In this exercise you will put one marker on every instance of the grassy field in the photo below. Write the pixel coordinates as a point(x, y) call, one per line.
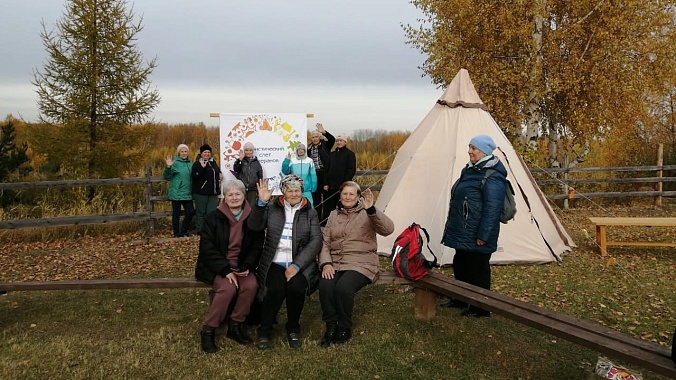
point(153, 334)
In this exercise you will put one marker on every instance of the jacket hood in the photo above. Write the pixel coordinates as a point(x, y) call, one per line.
point(492, 163)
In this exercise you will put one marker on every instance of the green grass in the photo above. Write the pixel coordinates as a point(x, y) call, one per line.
point(153, 334)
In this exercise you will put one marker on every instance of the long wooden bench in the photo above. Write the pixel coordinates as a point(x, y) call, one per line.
point(602, 224)
point(137, 283)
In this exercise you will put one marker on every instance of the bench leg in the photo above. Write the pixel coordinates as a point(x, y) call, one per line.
point(425, 304)
point(601, 239)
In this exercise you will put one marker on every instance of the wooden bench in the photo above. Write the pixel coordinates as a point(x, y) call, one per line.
point(602, 223)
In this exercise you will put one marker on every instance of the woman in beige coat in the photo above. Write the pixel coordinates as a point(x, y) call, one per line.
point(348, 259)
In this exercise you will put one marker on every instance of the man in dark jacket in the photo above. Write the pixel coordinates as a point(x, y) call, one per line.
point(473, 222)
point(342, 167)
point(321, 143)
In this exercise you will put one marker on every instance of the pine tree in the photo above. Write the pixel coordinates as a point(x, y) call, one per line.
point(11, 156)
point(92, 88)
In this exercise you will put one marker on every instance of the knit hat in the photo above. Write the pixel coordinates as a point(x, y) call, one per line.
point(484, 143)
point(342, 136)
point(181, 146)
point(291, 181)
point(205, 147)
point(299, 147)
point(248, 145)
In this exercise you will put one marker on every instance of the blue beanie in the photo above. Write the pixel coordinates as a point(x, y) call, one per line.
point(484, 143)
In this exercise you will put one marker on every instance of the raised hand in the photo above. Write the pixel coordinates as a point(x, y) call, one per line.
point(320, 128)
point(169, 160)
point(368, 198)
point(241, 154)
point(288, 155)
point(264, 193)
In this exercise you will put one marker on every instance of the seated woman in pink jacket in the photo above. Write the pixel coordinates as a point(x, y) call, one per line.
point(348, 259)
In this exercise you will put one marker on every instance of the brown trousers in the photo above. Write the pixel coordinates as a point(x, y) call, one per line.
point(224, 293)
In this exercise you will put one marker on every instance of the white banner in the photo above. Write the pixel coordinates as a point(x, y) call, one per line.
point(273, 136)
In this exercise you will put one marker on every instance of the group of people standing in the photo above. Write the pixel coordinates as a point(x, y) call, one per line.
point(188, 182)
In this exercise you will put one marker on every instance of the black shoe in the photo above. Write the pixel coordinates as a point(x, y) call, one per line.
point(453, 304)
point(237, 332)
point(208, 337)
point(476, 313)
point(263, 342)
point(342, 335)
point(329, 334)
point(294, 340)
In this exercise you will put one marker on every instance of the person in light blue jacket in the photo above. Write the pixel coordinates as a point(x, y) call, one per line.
point(177, 173)
point(304, 168)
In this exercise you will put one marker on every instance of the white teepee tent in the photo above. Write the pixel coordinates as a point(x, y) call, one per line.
point(417, 187)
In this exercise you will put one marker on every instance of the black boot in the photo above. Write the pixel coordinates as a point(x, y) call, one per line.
point(329, 334)
point(342, 335)
point(208, 340)
point(237, 332)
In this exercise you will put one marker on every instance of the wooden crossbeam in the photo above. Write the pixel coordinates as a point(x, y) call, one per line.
point(138, 283)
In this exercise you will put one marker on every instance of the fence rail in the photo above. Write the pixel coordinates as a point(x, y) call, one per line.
point(149, 215)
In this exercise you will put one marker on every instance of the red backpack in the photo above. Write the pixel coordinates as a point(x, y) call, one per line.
point(409, 258)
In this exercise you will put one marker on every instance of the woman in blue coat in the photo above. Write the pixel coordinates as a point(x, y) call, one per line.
point(473, 222)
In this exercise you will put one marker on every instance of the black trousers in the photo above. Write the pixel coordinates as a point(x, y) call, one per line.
point(278, 290)
point(473, 268)
point(318, 198)
point(337, 296)
point(331, 200)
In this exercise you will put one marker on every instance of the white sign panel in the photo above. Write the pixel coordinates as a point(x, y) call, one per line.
point(273, 136)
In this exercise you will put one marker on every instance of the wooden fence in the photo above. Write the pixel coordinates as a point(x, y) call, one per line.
point(149, 215)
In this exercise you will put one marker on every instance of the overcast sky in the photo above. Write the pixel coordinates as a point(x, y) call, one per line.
point(344, 61)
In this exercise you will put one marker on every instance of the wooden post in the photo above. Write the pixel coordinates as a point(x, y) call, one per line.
point(149, 203)
point(425, 304)
point(660, 162)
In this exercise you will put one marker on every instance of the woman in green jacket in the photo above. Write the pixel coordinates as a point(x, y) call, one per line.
point(177, 173)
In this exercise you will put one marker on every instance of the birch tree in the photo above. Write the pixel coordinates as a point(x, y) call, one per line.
point(569, 72)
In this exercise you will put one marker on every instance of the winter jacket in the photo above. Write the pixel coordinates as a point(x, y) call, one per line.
point(342, 167)
point(324, 149)
point(474, 213)
point(350, 239)
point(206, 180)
point(180, 182)
point(249, 171)
point(307, 240)
point(215, 235)
point(305, 169)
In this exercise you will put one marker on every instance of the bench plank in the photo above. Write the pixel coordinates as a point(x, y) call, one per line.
point(141, 283)
point(598, 338)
